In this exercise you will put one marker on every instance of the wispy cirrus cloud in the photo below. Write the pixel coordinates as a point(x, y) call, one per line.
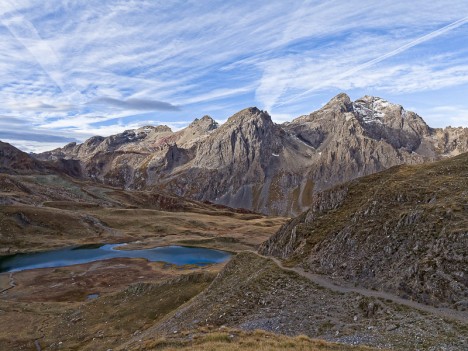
point(135, 104)
point(339, 77)
point(76, 68)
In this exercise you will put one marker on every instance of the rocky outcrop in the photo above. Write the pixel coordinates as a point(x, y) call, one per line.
point(291, 239)
point(240, 165)
point(403, 231)
point(253, 163)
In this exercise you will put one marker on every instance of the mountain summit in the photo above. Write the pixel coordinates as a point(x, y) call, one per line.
point(253, 163)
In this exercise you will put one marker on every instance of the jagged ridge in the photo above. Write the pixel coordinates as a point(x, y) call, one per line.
point(253, 163)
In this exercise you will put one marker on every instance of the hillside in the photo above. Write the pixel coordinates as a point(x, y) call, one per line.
point(38, 212)
point(253, 163)
point(41, 207)
point(402, 231)
point(253, 292)
point(14, 160)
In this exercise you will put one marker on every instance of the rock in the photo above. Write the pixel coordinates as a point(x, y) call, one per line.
point(392, 327)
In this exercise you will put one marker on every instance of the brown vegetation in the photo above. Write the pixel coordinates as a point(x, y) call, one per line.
point(46, 211)
point(225, 339)
point(403, 231)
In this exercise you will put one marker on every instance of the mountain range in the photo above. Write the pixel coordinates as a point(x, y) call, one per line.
point(374, 254)
point(253, 163)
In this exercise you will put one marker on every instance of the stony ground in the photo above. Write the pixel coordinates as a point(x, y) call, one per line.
point(254, 293)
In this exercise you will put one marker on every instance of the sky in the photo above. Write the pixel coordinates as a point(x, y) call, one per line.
point(73, 69)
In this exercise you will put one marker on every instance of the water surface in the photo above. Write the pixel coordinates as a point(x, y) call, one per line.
point(178, 255)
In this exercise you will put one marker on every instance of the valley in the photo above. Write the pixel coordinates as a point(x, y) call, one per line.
point(233, 175)
point(375, 262)
point(44, 209)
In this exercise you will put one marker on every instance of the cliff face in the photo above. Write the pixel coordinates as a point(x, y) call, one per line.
point(253, 163)
point(403, 230)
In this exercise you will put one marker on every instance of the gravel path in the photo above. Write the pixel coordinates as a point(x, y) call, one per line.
point(331, 285)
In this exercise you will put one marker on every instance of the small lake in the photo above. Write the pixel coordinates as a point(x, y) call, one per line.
point(178, 255)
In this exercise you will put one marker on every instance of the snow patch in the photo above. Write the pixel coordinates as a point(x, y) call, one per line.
point(276, 155)
point(381, 103)
point(367, 114)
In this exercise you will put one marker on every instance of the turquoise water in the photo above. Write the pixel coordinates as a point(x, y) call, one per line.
point(178, 255)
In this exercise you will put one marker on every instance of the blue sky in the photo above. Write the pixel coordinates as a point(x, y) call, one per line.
point(73, 69)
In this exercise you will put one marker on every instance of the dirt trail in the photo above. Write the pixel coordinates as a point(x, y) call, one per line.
point(327, 283)
point(11, 282)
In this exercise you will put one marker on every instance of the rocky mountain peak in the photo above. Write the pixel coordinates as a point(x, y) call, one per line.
point(244, 137)
point(93, 141)
point(248, 115)
point(206, 123)
point(372, 109)
point(158, 129)
point(253, 163)
point(340, 102)
point(385, 120)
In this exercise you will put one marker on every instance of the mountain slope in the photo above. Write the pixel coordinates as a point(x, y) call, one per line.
point(403, 231)
point(253, 163)
point(41, 207)
point(13, 160)
point(253, 292)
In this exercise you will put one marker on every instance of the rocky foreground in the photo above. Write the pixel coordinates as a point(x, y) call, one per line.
point(253, 292)
point(403, 231)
